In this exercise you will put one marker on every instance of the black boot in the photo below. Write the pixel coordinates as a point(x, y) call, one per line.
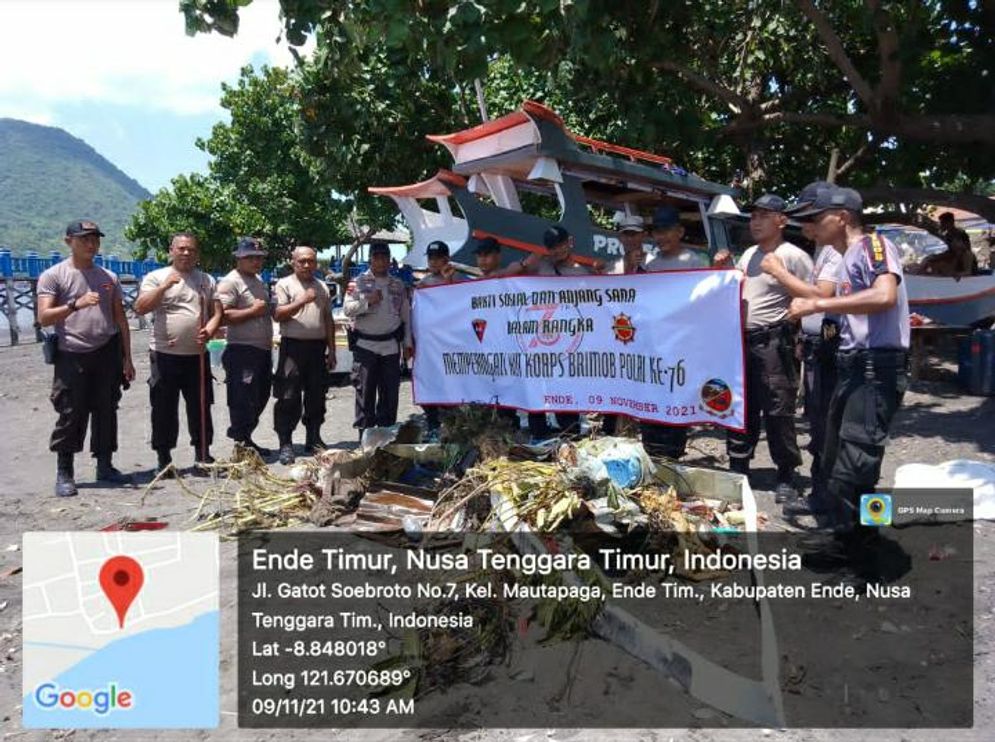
point(287, 453)
point(65, 486)
point(107, 473)
point(201, 458)
point(313, 443)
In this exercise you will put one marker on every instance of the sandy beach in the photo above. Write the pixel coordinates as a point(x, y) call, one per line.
point(937, 423)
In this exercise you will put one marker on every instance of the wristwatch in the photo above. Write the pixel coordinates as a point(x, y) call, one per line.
point(72, 306)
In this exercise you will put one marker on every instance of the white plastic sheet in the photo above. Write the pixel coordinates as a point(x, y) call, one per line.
point(978, 475)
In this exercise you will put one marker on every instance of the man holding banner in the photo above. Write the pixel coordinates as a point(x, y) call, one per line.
point(440, 272)
point(771, 377)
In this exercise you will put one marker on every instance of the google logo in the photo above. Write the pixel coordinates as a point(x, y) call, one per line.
point(49, 696)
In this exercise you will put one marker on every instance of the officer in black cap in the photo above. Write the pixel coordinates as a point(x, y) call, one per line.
point(820, 340)
point(772, 268)
point(84, 303)
point(248, 356)
point(488, 252)
point(440, 272)
point(378, 305)
point(872, 359)
point(559, 262)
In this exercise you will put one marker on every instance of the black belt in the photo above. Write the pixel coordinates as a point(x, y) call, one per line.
point(764, 334)
point(878, 357)
point(396, 334)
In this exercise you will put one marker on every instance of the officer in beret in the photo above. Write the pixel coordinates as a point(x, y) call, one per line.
point(377, 303)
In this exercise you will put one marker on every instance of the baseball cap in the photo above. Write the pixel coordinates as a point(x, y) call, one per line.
point(665, 217)
point(81, 227)
point(554, 236)
point(379, 248)
point(249, 247)
point(631, 224)
point(437, 249)
point(807, 195)
point(832, 198)
point(769, 202)
point(487, 245)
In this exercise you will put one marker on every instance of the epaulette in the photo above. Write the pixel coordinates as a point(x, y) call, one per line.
point(876, 254)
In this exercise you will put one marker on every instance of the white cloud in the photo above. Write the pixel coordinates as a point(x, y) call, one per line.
point(128, 52)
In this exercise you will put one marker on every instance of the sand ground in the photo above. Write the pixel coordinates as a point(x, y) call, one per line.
point(937, 423)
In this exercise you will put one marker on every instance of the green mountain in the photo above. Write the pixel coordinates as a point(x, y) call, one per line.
point(48, 178)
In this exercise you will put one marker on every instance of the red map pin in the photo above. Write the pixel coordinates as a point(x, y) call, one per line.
point(121, 578)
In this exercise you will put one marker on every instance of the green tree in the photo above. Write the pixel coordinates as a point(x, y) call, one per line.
point(894, 93)
point(260, 181)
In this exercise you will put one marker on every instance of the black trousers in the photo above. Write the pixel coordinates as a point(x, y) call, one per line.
point(664, 440)
point(771, 390)
point(248, 379)
point(377, 380)
point(819, 356)
point(170, 376)
point(86, 387)
point(299, 386)
point(868, 394)
point(568, 422)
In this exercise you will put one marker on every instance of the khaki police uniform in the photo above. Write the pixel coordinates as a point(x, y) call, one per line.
point(248, 356)
point(299, 383)
point(378, 333)
point(175, 358)
point(771, 374)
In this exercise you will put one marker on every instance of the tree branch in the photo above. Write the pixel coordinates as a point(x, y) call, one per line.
point(949, 129)
point(736, 102)
point(855, 158)
point(980, 205)
point(836, 51)
point(891, 63)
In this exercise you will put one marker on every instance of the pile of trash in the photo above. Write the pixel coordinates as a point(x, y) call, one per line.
point(397, 482)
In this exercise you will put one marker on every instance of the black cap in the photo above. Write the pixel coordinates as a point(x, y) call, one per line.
point(81, 227)
point(437, 249)
point(833, 198)
point(379, 248)
point(487, 245)
point(555, 235)
point(807, 195)
point(249, 247)
point(665, 217)
point(770, 202)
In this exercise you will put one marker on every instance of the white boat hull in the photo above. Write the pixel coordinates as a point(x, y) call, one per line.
point(952, 301)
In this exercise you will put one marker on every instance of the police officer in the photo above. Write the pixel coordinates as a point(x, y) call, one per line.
point(378, 305)
point(440, 272)
point(667, 232)
point(307, 349)
point(248, 357)
point(186, 313)
point(559, 262)
point(873, 354)
point(820, 340)
point(83, 301)
point(772, 268)
point(488, 254)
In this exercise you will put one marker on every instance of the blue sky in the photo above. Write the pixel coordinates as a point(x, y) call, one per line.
point(123, 76)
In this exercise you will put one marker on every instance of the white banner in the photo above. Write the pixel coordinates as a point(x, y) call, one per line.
point(661, 347)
